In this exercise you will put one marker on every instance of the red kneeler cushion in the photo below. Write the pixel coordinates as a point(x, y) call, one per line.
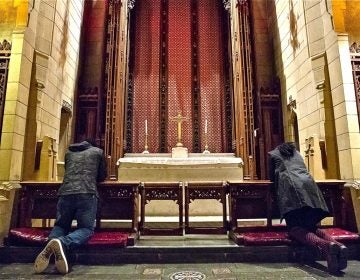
point(29, 236)
point(268, 238)
point(118, 239)
point(265, 238)
point(279, 236)
point(39, 237)
point(343, 235)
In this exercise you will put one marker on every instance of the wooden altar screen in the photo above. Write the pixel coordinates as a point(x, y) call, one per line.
point(177, 64)
point(174, 50)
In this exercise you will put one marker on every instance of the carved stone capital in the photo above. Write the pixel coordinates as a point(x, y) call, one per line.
point(39, 84)
point(9, 186)
point(292, 103)
point(5, 45)
point(66, 106)
point(131, 4)
point(356, 185)
point(355, 48)
point(6, 188)
point(227, 5)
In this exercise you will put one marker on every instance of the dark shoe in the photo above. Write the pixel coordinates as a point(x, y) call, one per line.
point(42, 260)
point(60, 258)
point(342, 257)
point(332, 258)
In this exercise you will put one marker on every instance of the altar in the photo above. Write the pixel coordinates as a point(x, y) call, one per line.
point(167, 168)
point(162, 167)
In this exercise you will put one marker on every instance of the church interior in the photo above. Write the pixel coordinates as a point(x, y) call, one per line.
point(186, 98)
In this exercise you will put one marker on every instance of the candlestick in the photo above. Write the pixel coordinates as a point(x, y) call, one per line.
point(146, 140)
point(206, 151)
point(146, 151)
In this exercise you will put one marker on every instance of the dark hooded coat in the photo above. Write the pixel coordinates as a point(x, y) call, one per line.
point(84, 167)
point(294, 187)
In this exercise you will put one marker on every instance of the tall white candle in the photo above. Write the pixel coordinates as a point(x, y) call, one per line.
point(146, 132)
point(205, 126)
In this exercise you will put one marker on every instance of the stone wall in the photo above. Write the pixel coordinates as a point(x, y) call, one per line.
point(43, 73)
point(313, 63)
point(311, 41)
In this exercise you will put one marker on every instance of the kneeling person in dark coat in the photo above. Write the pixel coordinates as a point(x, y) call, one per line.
point(302, 204)
point(78, 196)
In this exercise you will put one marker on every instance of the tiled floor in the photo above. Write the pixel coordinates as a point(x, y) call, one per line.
point(203, 247)
point(210, 271)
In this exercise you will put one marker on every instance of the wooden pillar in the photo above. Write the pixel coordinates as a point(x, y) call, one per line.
point(116, 81)
point(121, 78)
point(239, 124)
point(243, 83)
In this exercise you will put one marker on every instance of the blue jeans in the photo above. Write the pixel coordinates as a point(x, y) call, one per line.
point(82, 208)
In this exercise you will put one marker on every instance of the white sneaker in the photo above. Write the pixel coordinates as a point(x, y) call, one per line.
point(60, 258)
point(42, 260)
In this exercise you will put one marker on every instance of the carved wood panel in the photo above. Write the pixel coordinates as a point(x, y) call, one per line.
point(88, 113)
point(163, 75)
point(270, 132)
point(5, 50)
point(355, 63)
point(112, 148)
point(247, 141)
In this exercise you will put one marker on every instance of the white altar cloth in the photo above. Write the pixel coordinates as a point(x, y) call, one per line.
point(193, 159)
point(164, 168)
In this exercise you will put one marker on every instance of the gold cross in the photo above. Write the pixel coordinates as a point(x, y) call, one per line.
point(179, 118)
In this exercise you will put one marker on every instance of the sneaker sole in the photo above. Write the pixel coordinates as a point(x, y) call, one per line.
point(41, 261)
point(61, 265)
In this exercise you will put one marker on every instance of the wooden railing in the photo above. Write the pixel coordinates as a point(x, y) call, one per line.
point(253, 200)
point(117, 201)
point(121, 201)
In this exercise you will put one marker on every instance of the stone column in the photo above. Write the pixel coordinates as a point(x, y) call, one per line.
point(345, 112)
point(7, 205)
point(346, 119)
point(355, 196)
